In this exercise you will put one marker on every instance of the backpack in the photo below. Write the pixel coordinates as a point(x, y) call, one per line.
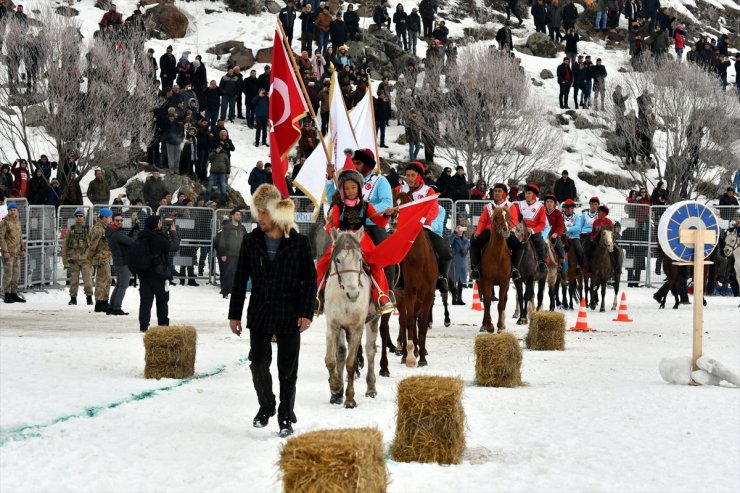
point(140, 256)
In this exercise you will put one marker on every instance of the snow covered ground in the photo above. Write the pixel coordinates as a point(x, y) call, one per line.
point(77, 415)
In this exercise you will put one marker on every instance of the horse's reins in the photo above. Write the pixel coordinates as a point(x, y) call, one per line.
point(339, 273)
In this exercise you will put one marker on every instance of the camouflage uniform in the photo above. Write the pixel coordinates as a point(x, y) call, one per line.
point(98, 252)
point(74, 251)
point(11, 241)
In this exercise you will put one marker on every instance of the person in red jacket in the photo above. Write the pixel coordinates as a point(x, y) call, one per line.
point(21, 178)
point(414, 184)
point(600, 223)
point(348, 213)
point(532, 212)
point(483, 234)
point(557, 228)
point(111, 18)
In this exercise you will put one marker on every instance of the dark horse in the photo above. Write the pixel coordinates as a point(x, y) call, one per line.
point(600, 268)
point(529, 275)
point(676, 280)
point(419, 273)
point(573, 283)
point(496, 269)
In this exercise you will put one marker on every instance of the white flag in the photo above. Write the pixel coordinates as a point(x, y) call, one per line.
point(341, 135)
point(363, 122)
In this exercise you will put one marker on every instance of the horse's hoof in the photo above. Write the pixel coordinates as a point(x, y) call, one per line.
point(385, 373)
point(521, 321)
point(336, 399)
point(447, 322)
point(502, 329)
point(410, 363)
point(602, 309)
point(350, 404)
point(422, 363)
point(371, 395)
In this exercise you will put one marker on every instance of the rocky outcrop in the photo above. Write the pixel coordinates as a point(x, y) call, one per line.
point(166, 21)
point(546, 74)
point(264, 55)
point(238, 53)
point(542, 46)
point(67, 11)
point(384, 53)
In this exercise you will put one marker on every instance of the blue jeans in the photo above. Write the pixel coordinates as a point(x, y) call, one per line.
point(212, 117)
point(600, 21)
point(218, 179)
point(413, 150)
point(323, 40)
point(122, 279)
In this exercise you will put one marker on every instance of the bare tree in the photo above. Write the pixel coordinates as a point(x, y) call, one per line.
point(485, 118)
point(678, 123)
point(91, 97)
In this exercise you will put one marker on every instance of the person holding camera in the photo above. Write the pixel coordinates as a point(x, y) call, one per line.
point(153, 281)
point(119, 242)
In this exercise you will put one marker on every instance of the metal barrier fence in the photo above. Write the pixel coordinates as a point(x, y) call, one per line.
point(44, 228)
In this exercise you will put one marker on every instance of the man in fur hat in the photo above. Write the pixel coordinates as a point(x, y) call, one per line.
point(278, 261)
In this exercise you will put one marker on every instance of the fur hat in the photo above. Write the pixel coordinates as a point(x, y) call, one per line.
point(265, 197)
point(502, 187)
point(532, 188)
point(416, 166)
point(282, 214)
point(366, 156)
point(352, 175)
point(604, 209)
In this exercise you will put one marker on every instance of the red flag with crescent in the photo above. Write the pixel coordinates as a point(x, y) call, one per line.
point(287, 108)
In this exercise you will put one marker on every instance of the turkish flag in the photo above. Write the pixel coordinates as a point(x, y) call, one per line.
point(287, 108)
point(411, 218)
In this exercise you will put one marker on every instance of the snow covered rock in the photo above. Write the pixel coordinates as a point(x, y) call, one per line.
point(546, 74)
point(710, 372)
point(676, 370)
point(168, 20)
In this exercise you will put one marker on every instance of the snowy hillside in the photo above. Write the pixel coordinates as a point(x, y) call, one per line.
point(211, 23)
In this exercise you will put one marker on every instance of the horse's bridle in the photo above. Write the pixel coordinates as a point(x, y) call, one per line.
point(339, 273)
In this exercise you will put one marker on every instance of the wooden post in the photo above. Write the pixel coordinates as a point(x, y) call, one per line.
point(698, 238)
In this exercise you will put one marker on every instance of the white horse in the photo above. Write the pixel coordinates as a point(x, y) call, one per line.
point(348, 310)
point(732, 247)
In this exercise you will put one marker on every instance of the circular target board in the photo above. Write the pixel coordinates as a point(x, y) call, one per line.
point(685, 215)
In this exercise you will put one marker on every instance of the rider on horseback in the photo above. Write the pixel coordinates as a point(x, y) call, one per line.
point(348, 213)
point(573, 227)
point(483, 234)
point(589, 216)
point(532, 212)
point(600, 223)
point(415, 186)
point(557, 228)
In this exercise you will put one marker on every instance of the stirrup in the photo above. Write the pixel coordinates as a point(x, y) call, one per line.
point(386, 307)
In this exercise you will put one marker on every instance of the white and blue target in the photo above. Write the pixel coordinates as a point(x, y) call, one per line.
point(685, 215)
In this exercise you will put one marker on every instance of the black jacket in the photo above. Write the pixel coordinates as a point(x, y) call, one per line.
point(212, 99)
point(160, 247)
point(565, 190)
point(503, 36)
point(352, 20)
point(250, 88)
point(282, 289)
point(168, 66)
point(413, 23)
point(119, 241)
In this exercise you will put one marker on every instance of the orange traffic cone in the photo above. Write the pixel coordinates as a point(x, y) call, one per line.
point(622, 315)
point(582, 322)
point(477, 305)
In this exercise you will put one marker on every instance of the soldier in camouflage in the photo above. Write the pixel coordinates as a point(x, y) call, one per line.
point(74, 257)
point(99, 254)
point(11, 247)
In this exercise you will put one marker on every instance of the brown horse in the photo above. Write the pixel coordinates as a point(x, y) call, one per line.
point(496, 269)
point(573, 286)
point(419, 272)
point(676, 280)
point(600, 268)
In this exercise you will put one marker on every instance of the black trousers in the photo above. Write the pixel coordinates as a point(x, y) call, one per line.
point(289, 346)
point(228, 271)
point(564, 91)
point(443, 251)
point(557, 244)
point(149, 289)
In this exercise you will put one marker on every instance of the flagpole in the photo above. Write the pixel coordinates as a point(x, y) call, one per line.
point(375, 128)
point(303, 87)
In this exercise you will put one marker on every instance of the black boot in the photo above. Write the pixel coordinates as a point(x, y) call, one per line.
point(475, 255)
point(17, 298)
point(72, 300)
point(100, 306)
point(89, 300)
point(263, 417)
point(460, 288)
point(541, 248)
point(192, 282)
point(286, 428)
point(516, 259)
point(9, 298)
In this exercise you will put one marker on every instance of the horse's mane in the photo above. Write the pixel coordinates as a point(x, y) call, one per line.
point(345, 241)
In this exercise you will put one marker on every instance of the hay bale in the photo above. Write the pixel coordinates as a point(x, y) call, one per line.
point(546, 332)
point(170, 352)
point(498, 360)
point(430, 420)
point(342, 460)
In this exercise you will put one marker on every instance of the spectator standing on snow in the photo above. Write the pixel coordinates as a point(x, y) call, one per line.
point(257, 177)
point(228, 250)
point(554, 20)
point(167, 68)
point(539, 16)
point(261, 105)
point(565, 188)
point(229, 86)
point(12, 250)
point(119, 242)
point(565, 80)
point(98, 191)
point(598, 72)
point(287, 19)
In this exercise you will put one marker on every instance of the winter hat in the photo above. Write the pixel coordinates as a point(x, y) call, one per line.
point(569, 203)
point(106, 212)
point(550, 196)
point(502, 187)
point(349, 175)
point(532, 188)
point(80, 212)
point(604, 209)
point(365, 156)
point(282, 214)
point(265, 197)
point(184, 56)
point(151, 222)
point(416, 166)
point(594, 199)
point(12, 205)
point(211, 204)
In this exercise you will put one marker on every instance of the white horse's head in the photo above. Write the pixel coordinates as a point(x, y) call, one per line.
point(347, 262)
point(731, 242)
point(607, 239)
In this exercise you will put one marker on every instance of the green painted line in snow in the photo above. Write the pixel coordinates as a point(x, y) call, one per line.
point(26, 431)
